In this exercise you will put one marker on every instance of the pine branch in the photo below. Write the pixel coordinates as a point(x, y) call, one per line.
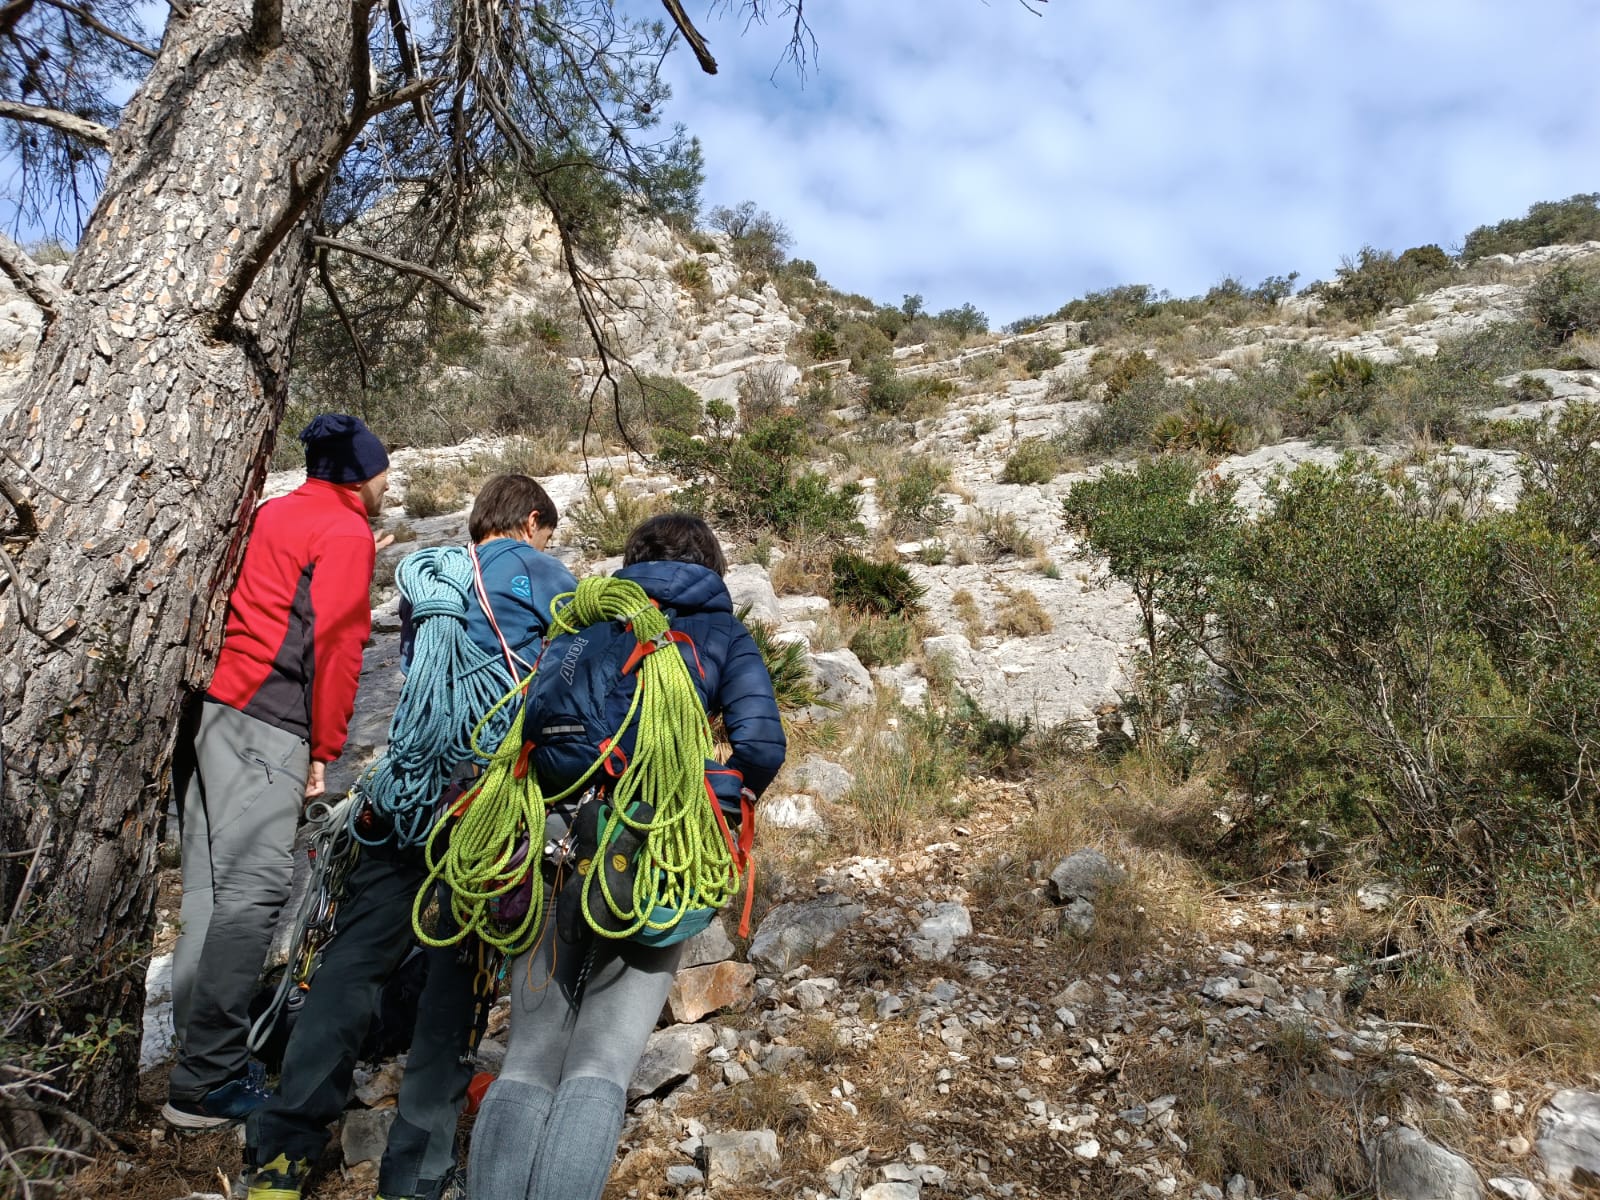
point(89, 19)
point(79, 127)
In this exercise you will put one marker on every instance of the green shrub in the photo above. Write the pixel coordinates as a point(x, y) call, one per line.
point(1548, 223)
point(1034, 461)
point(653, 406)
point(882, 641)
point(1345, 387)
point(915, 496)
point(693, 276)
point(758, 482)
point(1565, 301)
point(757, 240)
point(1166, 531)
point(822, 345)
point(964, 322)
point(992, 744)
point(862, 343)
point(1197, 429)
point(886, 391)
point(788, 665)
point(1041, 359)
point(1415, 675)
point(1127, 418)
point(1122, 372)
point(871, 588)
point(889, 393)
point(1561, 473)
point(1376, 280)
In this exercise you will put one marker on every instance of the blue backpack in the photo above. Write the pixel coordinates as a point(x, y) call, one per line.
point(577, 735)
point(578, 702)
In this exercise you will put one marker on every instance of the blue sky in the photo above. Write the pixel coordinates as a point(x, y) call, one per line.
point(974, 151)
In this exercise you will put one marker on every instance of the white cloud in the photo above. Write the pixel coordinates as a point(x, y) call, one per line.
point(974, 151)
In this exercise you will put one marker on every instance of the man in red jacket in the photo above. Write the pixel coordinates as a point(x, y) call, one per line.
point(274, 717)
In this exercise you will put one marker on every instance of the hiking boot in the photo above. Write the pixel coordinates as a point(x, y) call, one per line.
point(281, 1179)
point(226, 1105)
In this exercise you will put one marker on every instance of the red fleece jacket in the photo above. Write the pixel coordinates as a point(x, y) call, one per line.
point(300, 615)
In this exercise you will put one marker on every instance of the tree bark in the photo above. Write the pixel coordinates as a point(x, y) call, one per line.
point(146, 427)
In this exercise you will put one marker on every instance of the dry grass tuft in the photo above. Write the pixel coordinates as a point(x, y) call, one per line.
point(1021, 614)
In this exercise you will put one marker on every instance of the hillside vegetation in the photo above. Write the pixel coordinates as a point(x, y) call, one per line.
point(1194, 701)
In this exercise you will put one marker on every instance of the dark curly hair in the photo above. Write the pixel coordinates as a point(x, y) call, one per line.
point(675, 537)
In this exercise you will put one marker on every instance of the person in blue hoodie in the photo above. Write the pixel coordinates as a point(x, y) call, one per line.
point(511, 523)
point(548, 1126)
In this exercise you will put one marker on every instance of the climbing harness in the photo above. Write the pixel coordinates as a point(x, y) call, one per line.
point(452, 682)
point(671, 856)
point(331, 852)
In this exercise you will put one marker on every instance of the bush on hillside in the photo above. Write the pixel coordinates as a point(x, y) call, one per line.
point(759, 482)
point(1344, 387)
point(1561, 473)
point(1121, 372)
point(1413, 674)
point(914, 496)
point(1565, 301)
point(1547, 223)
point(788, 665)
point(602, 521)
point(965, 321)
point(758, 241)
point(1165, 530)
point(1034, 461)
point(1040, 359)
point(890, 394)
point(1197, 430)
point(1378, 280)
point(868, 588)
point(1127, 418)
point(882, 641)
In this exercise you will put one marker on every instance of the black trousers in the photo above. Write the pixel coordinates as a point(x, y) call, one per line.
point(374, 936)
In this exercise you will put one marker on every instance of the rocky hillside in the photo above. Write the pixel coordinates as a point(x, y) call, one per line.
point(987, 964)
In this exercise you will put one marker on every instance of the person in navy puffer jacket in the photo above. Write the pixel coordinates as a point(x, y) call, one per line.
point(548, 1126)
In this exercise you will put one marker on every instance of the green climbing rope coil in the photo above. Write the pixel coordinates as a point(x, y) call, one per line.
point(686, 861)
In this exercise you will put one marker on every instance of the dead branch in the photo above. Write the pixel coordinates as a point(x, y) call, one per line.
point(697, 43)
point(29, 277)
point(326, 279)
point(84, 130)
point(403, 266)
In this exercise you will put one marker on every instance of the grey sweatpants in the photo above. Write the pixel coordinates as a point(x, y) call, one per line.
point(549, 1124)
point(240, 809)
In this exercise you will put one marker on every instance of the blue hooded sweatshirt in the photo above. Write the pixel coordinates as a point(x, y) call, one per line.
point(521, 582)
point(736, 684)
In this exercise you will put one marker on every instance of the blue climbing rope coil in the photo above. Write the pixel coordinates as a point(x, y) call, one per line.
point(452, 682)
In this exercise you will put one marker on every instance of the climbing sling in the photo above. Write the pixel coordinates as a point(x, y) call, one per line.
point(669, 858)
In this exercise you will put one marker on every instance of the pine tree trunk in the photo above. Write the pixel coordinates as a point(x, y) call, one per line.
point(149, 417)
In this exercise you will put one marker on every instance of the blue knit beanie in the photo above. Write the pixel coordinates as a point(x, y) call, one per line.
point(340, 449)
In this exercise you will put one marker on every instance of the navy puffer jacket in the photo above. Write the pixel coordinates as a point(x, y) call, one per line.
point(736, 682)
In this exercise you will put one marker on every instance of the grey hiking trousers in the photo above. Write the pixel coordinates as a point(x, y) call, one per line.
point(240, 808)
point(580, 1018)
